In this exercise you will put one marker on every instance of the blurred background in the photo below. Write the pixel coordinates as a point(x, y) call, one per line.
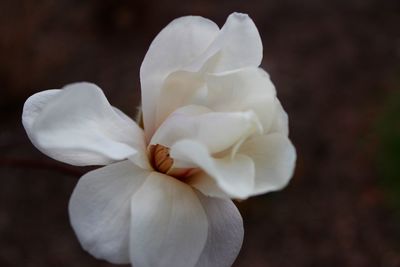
point(337, 71)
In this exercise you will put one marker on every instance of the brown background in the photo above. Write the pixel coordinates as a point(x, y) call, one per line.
point(336, 68)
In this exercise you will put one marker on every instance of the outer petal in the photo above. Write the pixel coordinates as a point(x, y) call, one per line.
point(207, 184)
point(99, 209)
point(234, 176)
point(280, 123)
point(194, 44)
point(225, 232)
point(181, 88)
point(176, 46)
point(274, 157)
point(78, 126)
point(237, 45)
point(216, 130)
point(169, 226)
point(243, 89)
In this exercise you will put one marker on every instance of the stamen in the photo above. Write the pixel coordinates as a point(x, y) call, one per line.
point(161, 160)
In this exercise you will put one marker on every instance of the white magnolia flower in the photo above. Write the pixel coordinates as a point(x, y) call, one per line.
point(214, 130)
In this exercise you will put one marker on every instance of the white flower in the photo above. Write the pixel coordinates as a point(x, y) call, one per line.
point(213, 130)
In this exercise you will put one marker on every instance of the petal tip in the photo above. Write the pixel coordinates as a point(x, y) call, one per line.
point(239, 15)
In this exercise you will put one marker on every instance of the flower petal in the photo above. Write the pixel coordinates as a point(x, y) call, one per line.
point(241, 90)
point(237, 45)
point(181, 88)
point(195, 44)
point(206, 184)
point(99, 209)
point(169, 226)
point(234, 176)
point(78, 126)
point(177, 45)
point(280, 123)
point(274, 157)
point(216, 130)
point(225, 232)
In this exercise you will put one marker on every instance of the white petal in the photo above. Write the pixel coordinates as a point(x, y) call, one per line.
point(225, 232)
point(280, 123)
point(99, 209)
point(234, 176)
point(206, 184)
point(177, 45)
point(243, 89)
point(216, 130)
point(34, 106)
point(274, 157)
point(169, 226)
point(181, 88)
point(78, 126)
point(193, 44)
point(237, 45)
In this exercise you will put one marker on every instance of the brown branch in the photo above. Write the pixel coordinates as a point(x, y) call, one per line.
point(40, 165)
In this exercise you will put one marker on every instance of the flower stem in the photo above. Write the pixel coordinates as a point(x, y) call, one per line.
point(40, 165)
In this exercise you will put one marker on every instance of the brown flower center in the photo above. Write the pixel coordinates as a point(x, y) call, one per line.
point(162, 162)
point(160, 158)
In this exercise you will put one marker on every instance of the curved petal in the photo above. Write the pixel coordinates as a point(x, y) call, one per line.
point(234, 176)
point(169, 226)
point(241, 90)
point(180, 89)
point(194, 44)
point(78, 126)
point(216, 130)
point(237, 45)
point(99, 209)
point(34, 106)
point(225, 232)
point(206, 184)
point(274, 157)
point(280, 124)
point(176, 46)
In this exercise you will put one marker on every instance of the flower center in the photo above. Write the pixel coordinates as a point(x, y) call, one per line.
point(162, 162)
point(160, 158)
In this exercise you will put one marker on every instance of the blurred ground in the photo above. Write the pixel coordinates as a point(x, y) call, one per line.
point(336, 68)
